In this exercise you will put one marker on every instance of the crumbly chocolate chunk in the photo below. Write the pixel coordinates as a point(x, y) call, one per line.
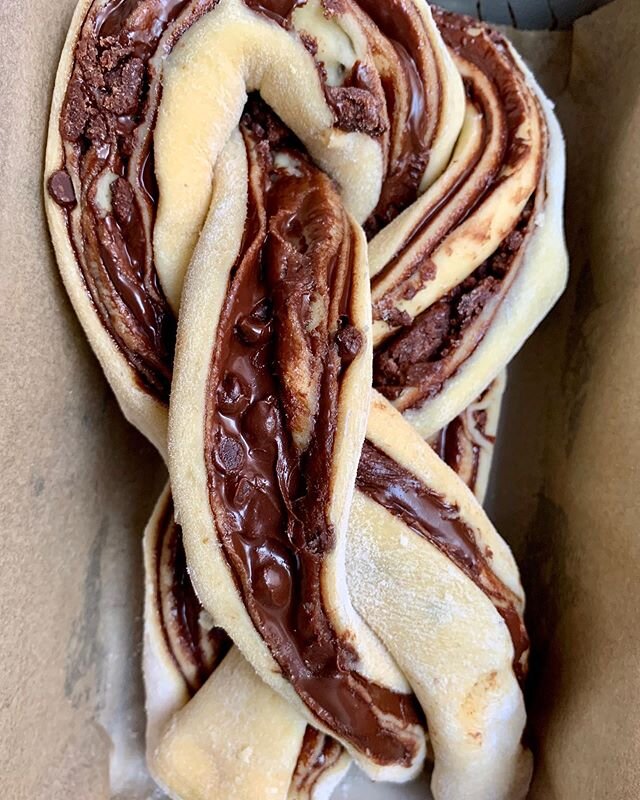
point(310, 43)
point(266, 126)
point(349, 341)
point(75, 115)
point(114, 55)
point(122, 200)
point(331, 8)
point(124, 84)
point(405, 360)
point(472, 303)
point(358, 103)
point(417, 357)
point(389, 313)
point(356, 110)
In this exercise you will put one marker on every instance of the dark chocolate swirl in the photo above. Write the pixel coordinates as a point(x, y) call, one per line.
point(269, 447)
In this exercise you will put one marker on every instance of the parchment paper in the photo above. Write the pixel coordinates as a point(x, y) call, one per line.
point(77, 484)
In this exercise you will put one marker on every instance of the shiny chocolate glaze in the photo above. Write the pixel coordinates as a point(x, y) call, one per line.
point(270, 494)
point(196, 646)
point(433, 517)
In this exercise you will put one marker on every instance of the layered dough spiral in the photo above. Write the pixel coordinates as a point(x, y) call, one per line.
point(226, 161)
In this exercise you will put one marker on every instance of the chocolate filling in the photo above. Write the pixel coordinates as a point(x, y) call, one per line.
point(357, 102)
point(422, 355)
point(106, 126)
point(275, 529)
point(317, 755)
point(197, 646)
point(453, 446)
point(419, 355)
point(269, 474)
point(199, 649)
point(403, 29)
point(422, 268)
point(279, 11)
point(431, 516)
point(458, 448)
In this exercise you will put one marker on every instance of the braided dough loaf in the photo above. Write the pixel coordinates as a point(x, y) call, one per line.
point(171, 186)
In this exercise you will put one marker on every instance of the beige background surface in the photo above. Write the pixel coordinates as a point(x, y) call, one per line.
point(77, 483)
point(577, 533)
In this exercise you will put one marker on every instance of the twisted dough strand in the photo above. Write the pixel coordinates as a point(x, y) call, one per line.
point(467, 258)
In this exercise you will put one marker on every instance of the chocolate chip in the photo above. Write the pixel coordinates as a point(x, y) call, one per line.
point(61, 189)
point(261, 514)
point(243, 492)
point(272, 579)
point(254, 328)
point(231, 395)
point(260, 422)
point(229, 454)
point(350, 342)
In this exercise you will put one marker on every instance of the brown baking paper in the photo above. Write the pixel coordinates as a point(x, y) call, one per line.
point(78, 484)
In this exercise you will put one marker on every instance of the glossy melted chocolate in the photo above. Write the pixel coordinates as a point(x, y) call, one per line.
point(273, 514)
point(270, 493)
point(401, 25)
point(431, 516)
point(198, 649)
